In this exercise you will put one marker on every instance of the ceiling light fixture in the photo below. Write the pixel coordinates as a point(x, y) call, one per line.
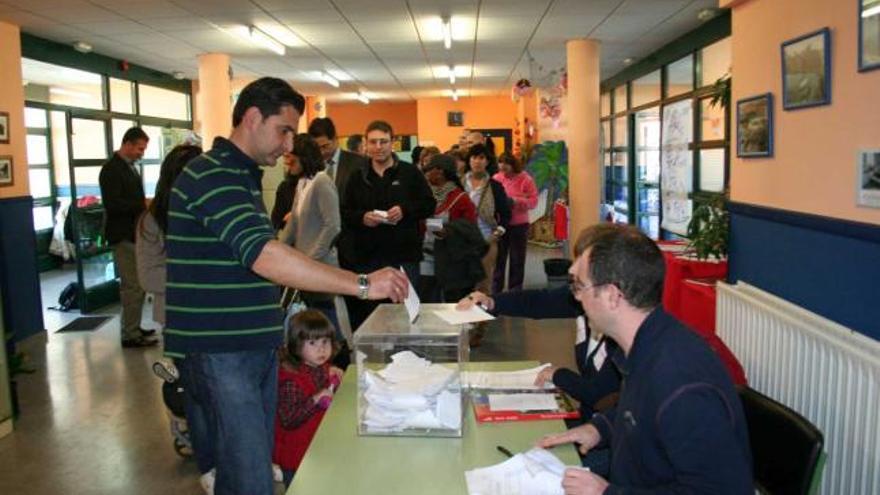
point(363, 98)
point(447, 33)
point(451, 75)
point(178, 75)
point(871, 11)
point(454, 95)
point(82, 47)
point(628, 61)
point(705, 14)
point(263, 40)
point(332, 81)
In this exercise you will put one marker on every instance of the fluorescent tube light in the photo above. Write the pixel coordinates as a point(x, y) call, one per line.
point(363, 98)
point(870, 12)
point(332, 81)
point(451, 75)
point(454, 95)
point(447, 33)
point(263, 40)
point(82, 47)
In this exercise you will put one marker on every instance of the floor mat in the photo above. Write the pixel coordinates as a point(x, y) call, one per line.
point(84, 324)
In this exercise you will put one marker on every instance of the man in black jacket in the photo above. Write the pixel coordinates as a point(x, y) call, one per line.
point(383, 205)
point(340, 164)
point(122, 193)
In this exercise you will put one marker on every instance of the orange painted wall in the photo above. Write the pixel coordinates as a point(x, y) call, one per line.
point(353, 118)
point(12, 102)
point(813, 169)
point(485, 112)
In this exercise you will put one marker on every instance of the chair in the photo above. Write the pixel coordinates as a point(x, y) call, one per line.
point(787, 453)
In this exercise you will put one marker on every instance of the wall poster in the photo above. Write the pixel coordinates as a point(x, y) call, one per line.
point(676, 165)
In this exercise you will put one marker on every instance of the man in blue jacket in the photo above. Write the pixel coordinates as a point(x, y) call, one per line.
point(678, 426)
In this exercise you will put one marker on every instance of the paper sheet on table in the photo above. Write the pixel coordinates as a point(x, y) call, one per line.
point(536, 472)
point(411, 302)
point(457, 317)
point(504, 380)
point(522, 402)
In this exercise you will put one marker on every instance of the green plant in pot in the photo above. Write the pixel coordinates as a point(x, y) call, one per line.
point(709, 228)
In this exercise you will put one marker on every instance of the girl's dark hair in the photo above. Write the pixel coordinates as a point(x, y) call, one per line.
point(310, 324)
point(308, 153)
point(173, 164)
point(481, 149)
point(511, 160)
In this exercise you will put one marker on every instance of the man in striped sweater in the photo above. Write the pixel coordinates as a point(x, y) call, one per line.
point(223, 316)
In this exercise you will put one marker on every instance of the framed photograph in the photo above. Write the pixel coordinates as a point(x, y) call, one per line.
point(4, 128)
point(806, 70)
point(868, 176)
point(869, 34)
point(455, 119)
point(754, 126)
point(6, 171)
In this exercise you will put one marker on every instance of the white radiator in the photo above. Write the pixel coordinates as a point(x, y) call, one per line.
point(826, 372)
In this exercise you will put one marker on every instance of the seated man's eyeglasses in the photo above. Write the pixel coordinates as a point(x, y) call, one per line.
point(576, 286)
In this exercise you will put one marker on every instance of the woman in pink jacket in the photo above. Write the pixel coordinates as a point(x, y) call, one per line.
point(520, 188)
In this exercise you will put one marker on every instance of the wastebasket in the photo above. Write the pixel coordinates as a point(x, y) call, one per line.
point(557, 271)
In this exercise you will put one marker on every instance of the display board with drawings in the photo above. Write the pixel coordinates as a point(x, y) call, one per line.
point(676, 166)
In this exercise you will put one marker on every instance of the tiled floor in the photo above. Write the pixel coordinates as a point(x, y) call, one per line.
point(93, 421)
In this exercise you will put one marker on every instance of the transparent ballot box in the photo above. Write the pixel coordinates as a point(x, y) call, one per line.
point(409, 374)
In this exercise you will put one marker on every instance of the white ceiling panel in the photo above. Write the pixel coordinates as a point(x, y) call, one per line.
point(114, 27)
point(295, 17)
point(143, 10)
point(398, 30)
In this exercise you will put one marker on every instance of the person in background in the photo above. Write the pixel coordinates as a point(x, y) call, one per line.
point(461, 163)
point(520, 188)
point(339, 164)
point(425, 157)
point(416, 155)
point(383, 206)
point(285, 192)
point(306, 384)
point(452, 204)
point(678, 426)
point(314, 217)
point(355, 144)
point(122, 192)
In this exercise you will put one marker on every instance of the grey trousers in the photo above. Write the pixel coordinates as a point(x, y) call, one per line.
point(130, 293)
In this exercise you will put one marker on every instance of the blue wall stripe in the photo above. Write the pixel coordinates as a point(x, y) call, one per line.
point(19, 275)
point(828, 266)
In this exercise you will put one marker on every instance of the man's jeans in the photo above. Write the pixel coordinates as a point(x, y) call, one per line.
point(240, 391)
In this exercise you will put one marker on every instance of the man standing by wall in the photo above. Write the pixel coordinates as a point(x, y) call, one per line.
point(224, 322)
point(678, 425)
point(122, 193)
point(340, 163)
point(383, 205)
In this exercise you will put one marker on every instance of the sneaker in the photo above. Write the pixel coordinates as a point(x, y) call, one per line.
point(147, 332)
point(166, 371)
point(139, 342)
point(207, 482)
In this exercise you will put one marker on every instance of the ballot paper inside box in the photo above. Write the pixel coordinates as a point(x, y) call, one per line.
point(409, 374)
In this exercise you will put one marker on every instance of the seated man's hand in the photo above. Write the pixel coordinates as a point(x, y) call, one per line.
point(476, 298)
point(545, 375)
point(388, 283)
point(583, 482)
point(395, 214)
point(372, 219)
point(586, 436)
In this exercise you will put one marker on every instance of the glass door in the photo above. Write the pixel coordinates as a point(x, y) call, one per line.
point(647, 170)
point(88, 147)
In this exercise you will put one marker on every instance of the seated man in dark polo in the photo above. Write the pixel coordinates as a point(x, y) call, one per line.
point(678, 426)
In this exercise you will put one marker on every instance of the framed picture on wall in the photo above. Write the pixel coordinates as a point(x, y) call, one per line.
point(455, 119)
point(806, 70)
point(4, 128)
point(868, 176)
point(754, 126)
point(869, 34)
point(6, 175)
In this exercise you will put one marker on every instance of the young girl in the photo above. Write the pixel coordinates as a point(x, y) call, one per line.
point(306, 382)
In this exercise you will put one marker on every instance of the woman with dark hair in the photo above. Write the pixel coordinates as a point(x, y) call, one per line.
point(152, 226)
point(285, 191)
point(425, 157)
point(520, 188)
point(314, 217)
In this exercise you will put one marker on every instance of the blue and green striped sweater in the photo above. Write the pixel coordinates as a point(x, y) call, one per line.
point(217, 227)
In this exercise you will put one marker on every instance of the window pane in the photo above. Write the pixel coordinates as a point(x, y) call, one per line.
point(650, 225)
point(121, 96)
point(89, 139)
point(680, 76)
point(43, 218)
point(119, 128)
point(620, 169)
point(158, 102)
point(713, 123)
point(59, 148)
point(620, 134)
point(50, 83)
point(87, 180)
point(605, 103)
point(40, 185)
point(153, 153)
point(620, 103)
point(620, 198)
point(621, 217)
point(648, 145)
point(35, 118)
point(606, 134)
point(37, 150)
point(646, 89)
point(151, 178)
point(715, 60)
point(712, 170)
point(649, 200)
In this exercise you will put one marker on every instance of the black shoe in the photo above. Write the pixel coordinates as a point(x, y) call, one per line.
point(139, 342)
point(147, 332)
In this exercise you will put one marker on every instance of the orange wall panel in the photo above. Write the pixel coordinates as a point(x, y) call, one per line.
point(353, 118)
point(813, 169)
point(485, 112)
point(12, 103)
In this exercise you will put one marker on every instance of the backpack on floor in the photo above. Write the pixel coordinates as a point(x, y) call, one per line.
point(68, 299)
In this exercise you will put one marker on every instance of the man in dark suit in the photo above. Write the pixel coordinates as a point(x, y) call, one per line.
point(340, 163)
point(122, 192)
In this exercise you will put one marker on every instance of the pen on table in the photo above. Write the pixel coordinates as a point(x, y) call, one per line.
point(504, 451)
